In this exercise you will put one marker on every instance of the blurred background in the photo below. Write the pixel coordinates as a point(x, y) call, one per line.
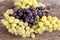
point(55, 11)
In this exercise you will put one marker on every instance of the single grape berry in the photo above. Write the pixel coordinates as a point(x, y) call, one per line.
point(40, 8)
point(15, 10)
point(32, 8)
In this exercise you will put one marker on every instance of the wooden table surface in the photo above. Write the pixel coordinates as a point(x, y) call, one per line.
point(55, 11)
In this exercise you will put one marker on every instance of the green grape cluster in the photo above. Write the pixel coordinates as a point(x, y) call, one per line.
point(24, 4)
point(47, 24)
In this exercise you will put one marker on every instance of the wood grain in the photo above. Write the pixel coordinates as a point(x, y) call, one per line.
point(55, 11)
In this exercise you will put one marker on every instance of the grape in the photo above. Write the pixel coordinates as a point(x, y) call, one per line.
point(41, 4)
point(34, 22)
point(11, 19)
point(20, 23)
point(20, 14)
point(16, 21)
point(17, 17)
point(31, 20)
point(15, 10)
point(40, 8)
point(13, 25)
point(30, 24)
point(24, 35)
point(4, 21)
point(27, 19)
point(33, 35)
point(31, 30)
point(27, 28)
point(40, 23)
point(25, 24)
point(32, 8)
point(49, 18)
point(14, 14)
point(40, 14)
point(48, 7)
point(28, 33)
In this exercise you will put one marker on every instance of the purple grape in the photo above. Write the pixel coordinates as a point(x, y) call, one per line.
point(14, 14)
point(20, 14)
point(30, 24)
point(28, 11)
point(34, 13)
point(17, 17)
point(32, 8)
point(15, 10)
point(27, 19)
point(40, 8)
point(48, 7)
point(34, 22)
point(30, 14)
point(40, 14)
point(31, 20)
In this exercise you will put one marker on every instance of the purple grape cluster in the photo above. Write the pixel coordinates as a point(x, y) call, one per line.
point(29, 15)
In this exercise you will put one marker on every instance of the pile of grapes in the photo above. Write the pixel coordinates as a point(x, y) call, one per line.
point(28, 18)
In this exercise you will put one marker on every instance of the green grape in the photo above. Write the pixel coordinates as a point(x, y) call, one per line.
point(17, 4)
point(37, 17)
point(40, 23)
point(22, 27)
point(38, 30)
point(8, 26)
point(40, 4)
point(27, 28)
point(27, 7)
point(23, 6)
point(19, 31)
point(30, 3)
point(55, 26)
point(21, 23)
point(11, 30)
point(4, 21)
point(6, 15)
point(42, 28)
point(43, 19)
point(11, 19)
point(17, 26)
point(23, 31)
point(50, 26)
point(13, 24)
point(34, 26)
point(16, 21)
point(15, 31)
point(10, 11)
point(31, 30)
point(49, 18)
point(58, 27)
point(24, 35)
point(33, 35)
point(53, 22)
point(54, 18)
point(58, 22)
point(28, 33)
point(46, 28)
point(50, 30)
point(46, 22)
point(25, 24)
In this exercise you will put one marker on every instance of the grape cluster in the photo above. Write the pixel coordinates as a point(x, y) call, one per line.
point(25, 4)
point(47, 24)
point(29, 15)
point(28, 18)
point(19, 27)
